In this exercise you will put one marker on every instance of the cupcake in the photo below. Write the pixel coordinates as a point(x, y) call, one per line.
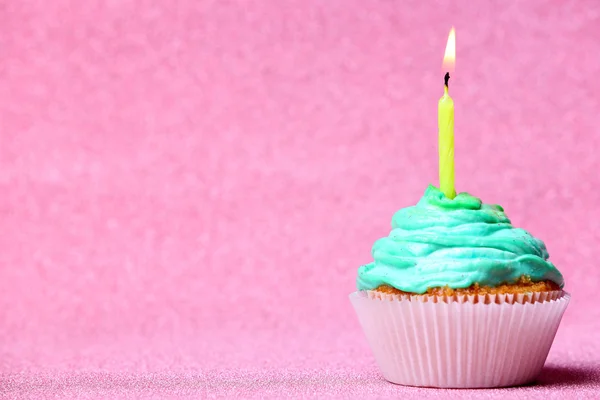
point(457, 297)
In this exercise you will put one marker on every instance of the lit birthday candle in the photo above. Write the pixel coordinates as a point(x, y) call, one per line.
point(446, 123)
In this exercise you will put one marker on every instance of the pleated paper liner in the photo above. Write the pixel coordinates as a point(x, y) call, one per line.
point(486, 299)
point(460, 341)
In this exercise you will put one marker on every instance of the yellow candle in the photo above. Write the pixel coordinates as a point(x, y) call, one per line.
point(446, 125)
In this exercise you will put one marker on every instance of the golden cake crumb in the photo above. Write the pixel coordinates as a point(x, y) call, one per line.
point(523, 285)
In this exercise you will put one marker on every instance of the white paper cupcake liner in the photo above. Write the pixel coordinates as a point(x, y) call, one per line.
point(460, 341)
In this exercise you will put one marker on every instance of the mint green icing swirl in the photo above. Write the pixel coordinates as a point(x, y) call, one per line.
point(455, 243)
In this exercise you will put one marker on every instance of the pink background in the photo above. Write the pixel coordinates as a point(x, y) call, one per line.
point(188, 187)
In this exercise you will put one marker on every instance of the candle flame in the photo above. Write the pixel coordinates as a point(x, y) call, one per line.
point(450, 54)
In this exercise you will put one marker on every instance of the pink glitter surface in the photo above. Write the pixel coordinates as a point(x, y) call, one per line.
point(188, 187)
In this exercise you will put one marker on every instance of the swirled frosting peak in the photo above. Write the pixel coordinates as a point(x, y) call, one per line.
point(455, 243)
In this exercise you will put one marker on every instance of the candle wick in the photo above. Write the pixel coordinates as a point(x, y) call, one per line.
point(446, 78)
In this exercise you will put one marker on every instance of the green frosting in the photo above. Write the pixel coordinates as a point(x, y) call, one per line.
point(456, 243)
